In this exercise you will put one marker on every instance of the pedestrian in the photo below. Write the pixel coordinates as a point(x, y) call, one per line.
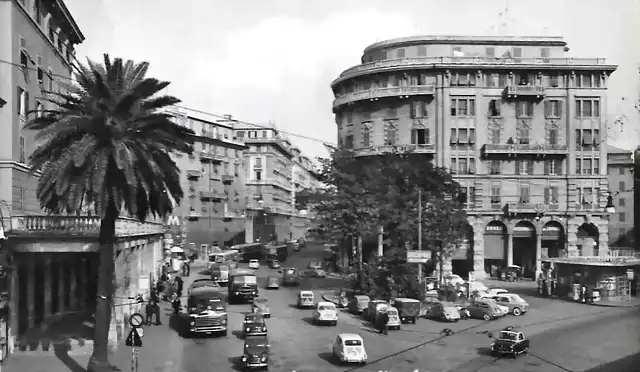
point(175, 302)
point(179, 286)
point(156, 310)
point(148, 312)
point(186, 268)
point(383, 319)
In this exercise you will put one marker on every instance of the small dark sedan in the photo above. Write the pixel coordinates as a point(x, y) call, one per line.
point(510, 343)
point(254, 325)
point(256, 353)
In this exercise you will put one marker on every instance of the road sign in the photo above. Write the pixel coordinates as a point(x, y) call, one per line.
point(418, 256)
point(136, 320)
point(134, 339)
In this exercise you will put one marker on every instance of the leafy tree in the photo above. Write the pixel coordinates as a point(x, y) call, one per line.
point(365, 193)
point(107, 144)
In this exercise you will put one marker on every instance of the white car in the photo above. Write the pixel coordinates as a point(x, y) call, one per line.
point(254, 264)
point(493, 292)
point(454, 280)
point(349, 348)
point(325, 313)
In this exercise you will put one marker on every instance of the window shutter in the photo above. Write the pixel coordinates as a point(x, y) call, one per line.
point(413, 109)
point(454, 136)
point(554, 194)
point(547, 108)
point(578, 137)
point(559, 113)
point(547, 194)
point(530, 167)
point(472, 136)
point(414, 140)
point(518, 109)
point(547, 167)
point(517, 166)
point(558, 166)
point(472, 79)
point(427, 138)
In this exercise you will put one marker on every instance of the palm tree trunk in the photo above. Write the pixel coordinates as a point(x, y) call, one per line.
point(99, 361)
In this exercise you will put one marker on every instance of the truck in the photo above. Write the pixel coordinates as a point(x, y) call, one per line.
point(207, 310)
point(243, 286)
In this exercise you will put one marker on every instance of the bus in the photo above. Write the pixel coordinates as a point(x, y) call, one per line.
point(229, 257)
point(250, 251)
point(277, 252)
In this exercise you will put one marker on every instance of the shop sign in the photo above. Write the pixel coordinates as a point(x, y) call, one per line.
point(495, 229)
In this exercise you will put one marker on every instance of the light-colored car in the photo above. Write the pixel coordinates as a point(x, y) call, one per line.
point(516, 304)
point(254, 264)
point(394, 318)
point(260, 305)
point(453, 279)
point(325, 313)
point(274, 264)
point(306, 299)
point(445, 311)
point(349, 348)
point(358, 304)
point(273, 282)
point(485, 309)
point(493, 292)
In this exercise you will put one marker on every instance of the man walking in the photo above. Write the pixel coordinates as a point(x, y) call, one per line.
point(154, 306)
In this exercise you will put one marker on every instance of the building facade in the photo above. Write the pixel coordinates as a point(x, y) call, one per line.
point(519, 123)
point(620, 169)
point(212, 211)
point(275, 169)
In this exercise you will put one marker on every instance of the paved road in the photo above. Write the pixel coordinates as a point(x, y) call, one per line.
point(573, 336)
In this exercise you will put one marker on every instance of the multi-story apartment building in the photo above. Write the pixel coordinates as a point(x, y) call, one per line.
point(37, 43)
point(620, 169)
point(274, 169)
point(521, 124)
point(212, 211)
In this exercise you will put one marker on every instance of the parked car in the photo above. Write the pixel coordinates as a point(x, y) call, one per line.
point(306, 299)
point(349, 348)
point(516, 304)
point(260, 305)
point(358, 304)
point(485, 309)
point(493, 292)
point(394, 318)
point(273, 282)
point(510, 343)
point(408, 309)
point(325, 313)
point(445, 311)
point(254, 264)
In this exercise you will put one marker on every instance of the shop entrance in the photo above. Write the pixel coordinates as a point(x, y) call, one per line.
point(524, 248)
point(462, 259)
point(553, 239)
point(495, 247)
point(588, 239)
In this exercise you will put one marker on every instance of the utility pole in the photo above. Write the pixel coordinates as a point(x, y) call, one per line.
point(360, 268)
point(420, 233)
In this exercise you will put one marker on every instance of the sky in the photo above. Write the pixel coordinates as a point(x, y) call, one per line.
point(273, 60)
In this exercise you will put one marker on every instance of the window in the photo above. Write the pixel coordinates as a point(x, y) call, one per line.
point(22, 150)
point(24, 56)
point(554, 80)
point(524, 194)
point(496, 194)
point(584, 80)
point(419, 109)
point(366, 116)
point(502, 80)
point(524, 167)
point(553, 136)
point(471, 197)
point(495, 167)
point(253, 134)
point(523, 133)
point(463, 165)
point(420, 136)
point(366, 137)
point(622, 217)
point(494, 108)
point(22, 199)
point(457, 51)
point(494, 134)
point(463, 79)
point(463, 107)
point(587, 138)
point(349, 117)
point(37, 11)
point(400, 53)
point(490, 52)
point(551, 194)
point(587, 166)
point(39, 109)
point(422, 51)
point(23, 102)
point(236, 169)
point(348, 141)
point(258, 163)
point(50, 80)
point(622, 187)
point(621, 171)
point(390, 134)
point(40, 71)
point(264, 134)
point(622, 202)
point(553, 167)
point(524, 109)
point(258, 174)
point(544, 52)
point(553, 109)
point(587, 107)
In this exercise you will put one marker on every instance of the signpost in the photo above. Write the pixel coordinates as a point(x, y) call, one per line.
point(420, 257)
point(134, 339)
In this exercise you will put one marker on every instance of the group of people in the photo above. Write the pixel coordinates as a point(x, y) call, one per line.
point(165, 289)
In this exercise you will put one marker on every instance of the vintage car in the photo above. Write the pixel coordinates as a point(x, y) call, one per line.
point(358, 304)
point(511, 273)
point(349, 348)
point(254, 264)
point(490, 293)
point(516, 304)
point(201, 283)
point(254, 324)
point(274, 264)
point(260, 305)
point(393, 321)
point(306, 299)
point(273, 282)
point(255, 353)
point(444, 311)
point(485, 309)
point(408, 309)
point(325, 313)
point(453, 279)
point(220, 273)
point(510, 343)
point(314, 265)
point(290, 277)
point(373, 308)
point(207, 311)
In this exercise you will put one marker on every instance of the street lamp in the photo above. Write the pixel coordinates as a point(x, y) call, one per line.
point(610, 208)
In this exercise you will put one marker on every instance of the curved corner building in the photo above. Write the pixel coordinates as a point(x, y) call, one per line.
point(520, 124)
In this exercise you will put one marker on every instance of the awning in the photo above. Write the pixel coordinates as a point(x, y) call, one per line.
point(552, 233)
point(523, 231)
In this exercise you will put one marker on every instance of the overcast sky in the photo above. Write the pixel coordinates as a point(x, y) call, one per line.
point(263, 60)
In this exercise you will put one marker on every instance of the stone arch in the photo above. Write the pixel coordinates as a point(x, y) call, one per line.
point(495, 237)
point(588, 235)
point(514, 223)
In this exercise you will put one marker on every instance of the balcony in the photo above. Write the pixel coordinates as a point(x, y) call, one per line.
point(380, 150)
point(519, 91)
point(532, 208)
point(212, 196)
point(377, 93)
point(227, 179)
point(524, 149)
point(77, 226)
point(193, 174)
point(465, 61)
point(207, 157)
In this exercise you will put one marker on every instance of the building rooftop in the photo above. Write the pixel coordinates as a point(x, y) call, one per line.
point(76, 36)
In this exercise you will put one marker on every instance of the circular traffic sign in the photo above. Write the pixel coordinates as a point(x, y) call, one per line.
point(136, 320)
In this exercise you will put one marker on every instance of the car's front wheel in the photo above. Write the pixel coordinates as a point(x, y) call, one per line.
point(516, 311)
point(486, 317)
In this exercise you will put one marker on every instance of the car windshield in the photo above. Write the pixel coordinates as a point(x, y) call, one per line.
point(392, 312)
point(256, 342)
point(245, 279)
point(256, 323)
point(214, 304)
point(260, 301)
point(326, 307)
point(223, 268)
point(252, 318)
point(306, 295)
point(508, 336)
point(352, 343)
point(253, 261)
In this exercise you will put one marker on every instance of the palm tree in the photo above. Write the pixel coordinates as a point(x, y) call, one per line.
point(107, 145)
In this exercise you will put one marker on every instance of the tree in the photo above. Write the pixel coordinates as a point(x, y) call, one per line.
point(107, 145)
point(365, 193)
